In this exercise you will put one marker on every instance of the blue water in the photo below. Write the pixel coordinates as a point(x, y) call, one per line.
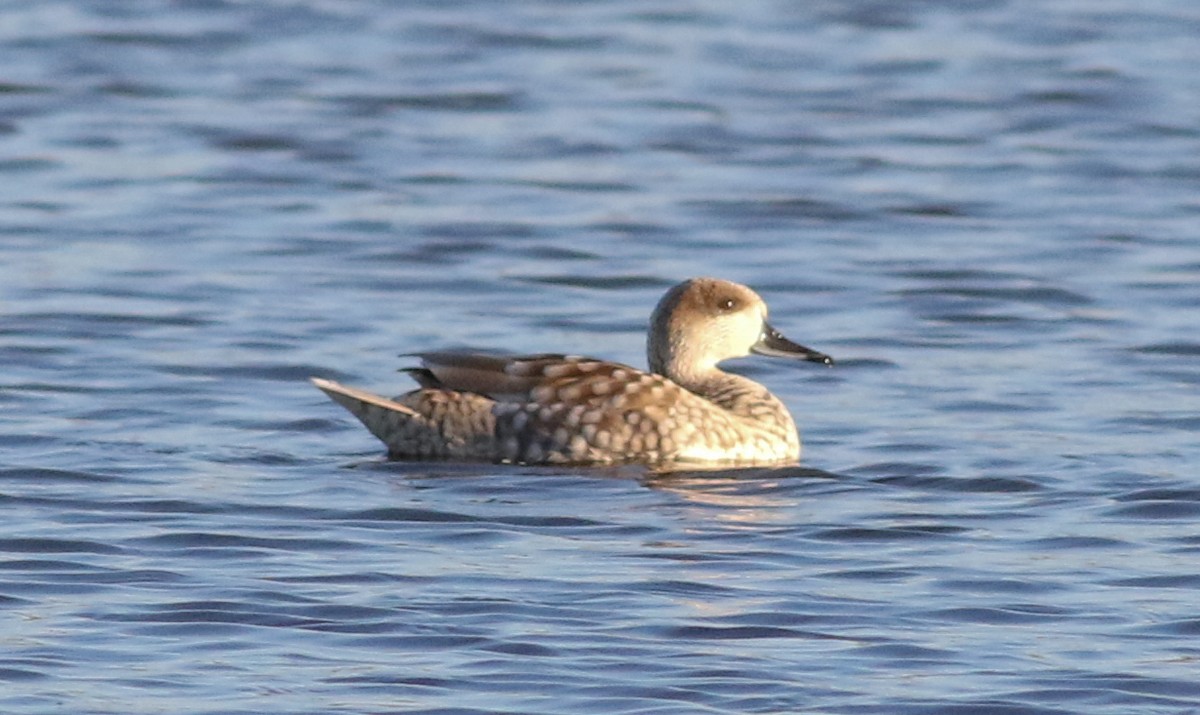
point(987, 211)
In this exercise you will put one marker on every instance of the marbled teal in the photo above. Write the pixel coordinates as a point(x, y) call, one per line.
point(559, 409)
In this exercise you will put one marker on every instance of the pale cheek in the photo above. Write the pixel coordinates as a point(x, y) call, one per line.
point(750, 331)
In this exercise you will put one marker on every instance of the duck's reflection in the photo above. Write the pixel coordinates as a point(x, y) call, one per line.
point(739, 488)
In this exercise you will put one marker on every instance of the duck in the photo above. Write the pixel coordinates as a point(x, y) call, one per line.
point(539, 409)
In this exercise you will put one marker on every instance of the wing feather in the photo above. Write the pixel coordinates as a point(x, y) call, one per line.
point(524, 378)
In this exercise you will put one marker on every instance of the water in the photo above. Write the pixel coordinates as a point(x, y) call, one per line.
point(986, 211)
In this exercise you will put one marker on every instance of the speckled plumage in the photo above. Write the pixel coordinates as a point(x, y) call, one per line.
point(548, 409)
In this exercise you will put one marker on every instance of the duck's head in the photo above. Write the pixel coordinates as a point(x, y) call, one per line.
point(703, 321)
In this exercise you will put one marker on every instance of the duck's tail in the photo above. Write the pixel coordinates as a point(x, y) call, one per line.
point(436, 424)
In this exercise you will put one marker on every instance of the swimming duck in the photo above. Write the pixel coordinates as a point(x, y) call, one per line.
point(560, 409)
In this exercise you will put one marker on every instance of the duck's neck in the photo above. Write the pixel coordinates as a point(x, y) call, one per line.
point(681, 363)
point(732, 392)
point(735, 393)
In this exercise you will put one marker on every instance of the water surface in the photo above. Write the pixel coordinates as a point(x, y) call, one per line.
point(986, 211)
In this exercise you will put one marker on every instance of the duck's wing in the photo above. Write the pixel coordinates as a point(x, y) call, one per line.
point(544, 378)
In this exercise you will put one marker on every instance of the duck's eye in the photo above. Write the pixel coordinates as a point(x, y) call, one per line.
point(727, 304)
